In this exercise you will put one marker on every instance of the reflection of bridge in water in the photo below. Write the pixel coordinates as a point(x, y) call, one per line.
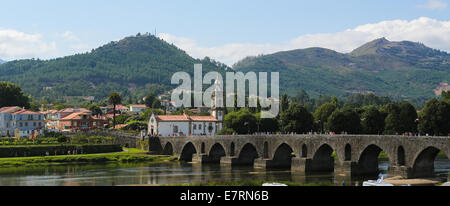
point(356, 154)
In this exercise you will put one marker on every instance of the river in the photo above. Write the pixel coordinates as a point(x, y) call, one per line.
point(165, 174)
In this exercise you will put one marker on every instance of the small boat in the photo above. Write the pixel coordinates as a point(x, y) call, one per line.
point(274, 184)
point(378, 182)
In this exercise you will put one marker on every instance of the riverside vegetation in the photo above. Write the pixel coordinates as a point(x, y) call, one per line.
point(129, 155)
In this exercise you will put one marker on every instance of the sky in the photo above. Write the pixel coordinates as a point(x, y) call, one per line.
point(226, 31)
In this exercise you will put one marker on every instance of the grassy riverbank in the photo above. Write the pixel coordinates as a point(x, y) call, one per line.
point(129, 155)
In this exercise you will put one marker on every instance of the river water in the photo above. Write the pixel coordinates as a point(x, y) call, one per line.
point(166, 174)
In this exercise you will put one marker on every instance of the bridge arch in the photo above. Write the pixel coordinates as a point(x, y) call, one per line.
point(282, 157)
point(304, 151)
point(168, 149)
point(187, 152)
point(203, 148)
point(423, 164)
point(401, 160)
point(322, 160)
point(368, 160)
point(232, 149)
point(266, 150)
point(348, 152)
point(247, 154)
point(216, 152)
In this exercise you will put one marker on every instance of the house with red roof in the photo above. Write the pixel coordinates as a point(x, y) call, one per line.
point(80, 121)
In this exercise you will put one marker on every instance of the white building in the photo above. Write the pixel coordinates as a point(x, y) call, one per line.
point(138, 108)
point(185, 125)
point(16, 121)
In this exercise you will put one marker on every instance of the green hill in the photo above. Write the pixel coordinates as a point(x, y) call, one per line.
point(404, 70)
point(133, 66)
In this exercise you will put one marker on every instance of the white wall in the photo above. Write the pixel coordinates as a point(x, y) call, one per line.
point(166, 128)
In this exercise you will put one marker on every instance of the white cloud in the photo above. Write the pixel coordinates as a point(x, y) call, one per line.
point(19, 45)
point(433, 4)
point(69, 36)
point(431, 32)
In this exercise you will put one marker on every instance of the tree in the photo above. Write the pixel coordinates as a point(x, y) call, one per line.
point(408, 115)
point(400, 118)
point(152, 102)
point(323, 113)
point(372, 120)
point(266, 124)
point(446, 95)
point(95, 109)
point(435, 118)
point(393, 121)
point(114, 99)
point(242, 122)
point(12, 95)
point(297, 119)
point(284, 102)
point(347, 120)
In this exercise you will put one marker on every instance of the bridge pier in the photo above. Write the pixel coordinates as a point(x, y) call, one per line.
point(300, 164)
point(227, 161)
point(261, 163)
point(199, 158)
point(344, 168)
point(401, 171)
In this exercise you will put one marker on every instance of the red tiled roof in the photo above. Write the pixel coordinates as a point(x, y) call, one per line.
point(77, 115)
point(203, 118)
point(173, 118)
point(185, 118)
point(139, 105)
point(72, 110)
point(23, 111)
point(10, 109)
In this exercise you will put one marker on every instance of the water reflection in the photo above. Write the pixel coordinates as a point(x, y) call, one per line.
point(169, 174)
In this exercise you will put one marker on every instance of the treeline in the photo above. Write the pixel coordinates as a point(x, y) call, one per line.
point(358, 114)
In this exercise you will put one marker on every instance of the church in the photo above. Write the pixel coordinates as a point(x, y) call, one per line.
point(187, 125)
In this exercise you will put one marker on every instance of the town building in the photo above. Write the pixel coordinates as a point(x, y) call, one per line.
point(80, 122)
point(19, 122)
point(110, 108)
point(138, 108)
point(187, 125)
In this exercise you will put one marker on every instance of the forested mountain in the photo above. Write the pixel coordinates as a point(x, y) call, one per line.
point(403, 70)
point(133, 66)
point(138, 65)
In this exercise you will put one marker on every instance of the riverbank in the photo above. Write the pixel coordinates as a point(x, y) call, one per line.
point(129, 155)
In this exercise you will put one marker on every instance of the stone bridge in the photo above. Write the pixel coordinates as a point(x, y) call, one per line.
point(356, 155)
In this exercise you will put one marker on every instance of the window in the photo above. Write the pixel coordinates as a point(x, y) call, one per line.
point(175, 129)
point(34, 124)
point(199, 126)
point(40, 124)
point(21, 124)
point(26, 124)
point(195, 126)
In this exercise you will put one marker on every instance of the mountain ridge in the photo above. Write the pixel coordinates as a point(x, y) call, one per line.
point(397, 69)
point(133, 66)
